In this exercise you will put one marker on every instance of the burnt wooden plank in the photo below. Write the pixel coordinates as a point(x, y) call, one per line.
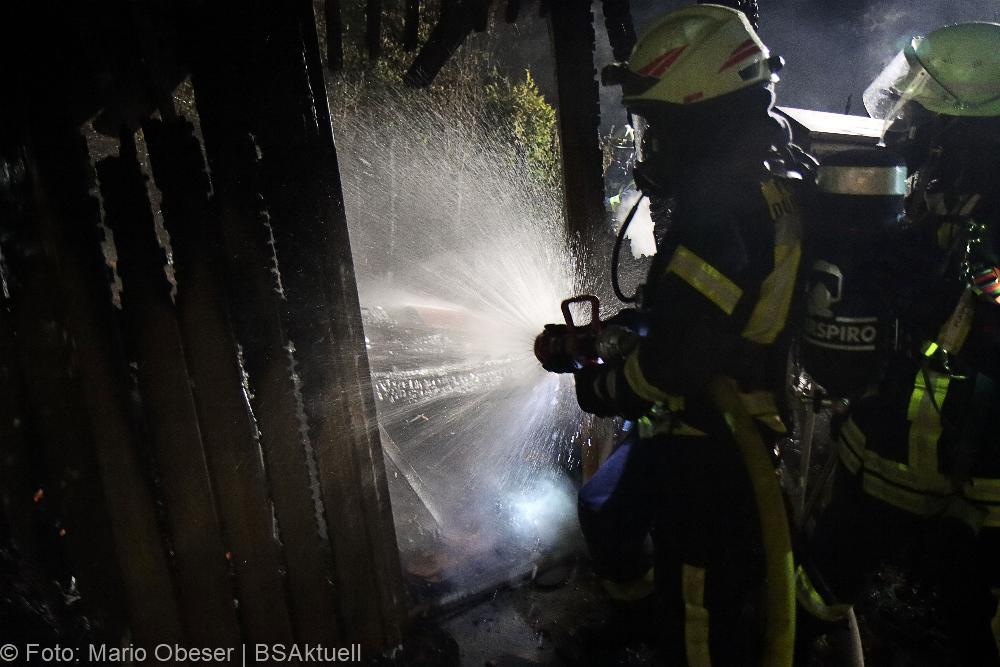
point(373, 28)
point(17, 508)
point(293, 225)
point(57, 99)
point(205, 595)
point(618, 23)
point(76, 532)
point(223, 81)
point(572, 29)
point(227, 429)
point(322, 318)
point(411, 25)
point(334, 35)
point(512, 10)
point(16, 492)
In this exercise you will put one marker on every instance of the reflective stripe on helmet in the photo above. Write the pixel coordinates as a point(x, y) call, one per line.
point(695, 53)
point(705, 278)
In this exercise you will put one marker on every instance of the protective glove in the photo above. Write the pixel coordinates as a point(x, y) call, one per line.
point(592, 390)
point(603, 391)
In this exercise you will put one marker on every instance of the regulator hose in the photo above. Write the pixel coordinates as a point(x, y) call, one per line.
point(779, 589)
point(616, 253)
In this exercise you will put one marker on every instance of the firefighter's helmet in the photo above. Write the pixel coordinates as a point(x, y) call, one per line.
point(954, 71)
point(691, 55)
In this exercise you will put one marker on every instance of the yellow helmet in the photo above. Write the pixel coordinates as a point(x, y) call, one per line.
point(954, 71)
point(694, 54)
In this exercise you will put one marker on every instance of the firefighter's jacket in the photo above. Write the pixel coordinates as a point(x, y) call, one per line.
point(718, 294)
point(925, 441)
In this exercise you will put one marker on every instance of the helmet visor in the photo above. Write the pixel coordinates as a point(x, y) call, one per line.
point(903, 80)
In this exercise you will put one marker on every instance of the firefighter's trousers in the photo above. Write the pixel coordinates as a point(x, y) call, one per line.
point(693, 496)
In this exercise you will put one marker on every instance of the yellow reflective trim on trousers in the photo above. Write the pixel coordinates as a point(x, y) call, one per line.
point(956, 330)
point(638, 382)
point(695, 616)
point(924, 493)
point(813, 602)
point(761, 406)
point(925, 422)
point(759, 403)
point(705, 278)
point(983, 489)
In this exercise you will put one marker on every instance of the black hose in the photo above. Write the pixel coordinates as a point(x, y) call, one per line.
point(616, 252)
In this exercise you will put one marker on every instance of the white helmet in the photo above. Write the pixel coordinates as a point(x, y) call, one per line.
point(694, 54)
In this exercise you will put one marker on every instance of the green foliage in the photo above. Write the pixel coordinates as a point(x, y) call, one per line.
point(529, 121)
point(512, 111)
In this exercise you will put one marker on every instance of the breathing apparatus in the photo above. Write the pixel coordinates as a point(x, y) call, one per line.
point(859, 202)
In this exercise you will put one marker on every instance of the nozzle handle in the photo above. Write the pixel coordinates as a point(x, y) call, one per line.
point(595, 311)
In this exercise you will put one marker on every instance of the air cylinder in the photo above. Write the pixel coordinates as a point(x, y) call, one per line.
point(846, 327)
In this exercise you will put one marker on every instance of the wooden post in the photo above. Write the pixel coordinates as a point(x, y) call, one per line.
point(227, 427)
point(270, 146)
point(70, 227)
point(334, 35)
point(205, 594)
point(571, 24)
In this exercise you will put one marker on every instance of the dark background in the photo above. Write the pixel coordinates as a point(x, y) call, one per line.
point(832, 48)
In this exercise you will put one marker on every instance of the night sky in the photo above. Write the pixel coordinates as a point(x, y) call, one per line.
point(832, 48)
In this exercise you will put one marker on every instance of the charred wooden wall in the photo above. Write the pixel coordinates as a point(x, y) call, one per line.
point(187, 429)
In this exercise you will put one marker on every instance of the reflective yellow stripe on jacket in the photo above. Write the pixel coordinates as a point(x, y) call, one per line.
point(771, 310)
point(705, 278)
point(918, 486)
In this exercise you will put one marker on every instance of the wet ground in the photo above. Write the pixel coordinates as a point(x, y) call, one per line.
point(557, 618)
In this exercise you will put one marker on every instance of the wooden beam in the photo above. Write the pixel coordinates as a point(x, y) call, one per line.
point(334, 35)
point(227, 427)
point(67, 216)
point(571, 24)
point(373, 28)
point(270, 146)
point(411, 25)
point(205, 594)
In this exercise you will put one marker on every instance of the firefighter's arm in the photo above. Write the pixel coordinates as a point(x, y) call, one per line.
point(698, 310)
point(694, 337)
point(605, 392)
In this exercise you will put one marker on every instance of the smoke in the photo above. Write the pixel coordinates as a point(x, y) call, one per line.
point(833, 50)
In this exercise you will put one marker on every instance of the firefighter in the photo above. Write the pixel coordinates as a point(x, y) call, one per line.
point(702, 383)
point(918, 490)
